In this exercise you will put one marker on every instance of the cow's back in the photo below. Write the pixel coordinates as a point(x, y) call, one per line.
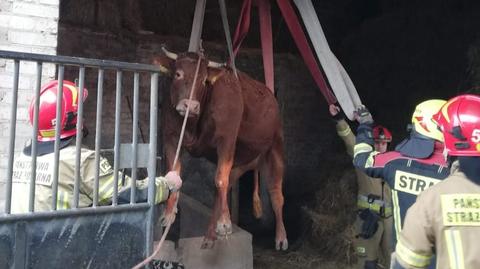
point(261, 118)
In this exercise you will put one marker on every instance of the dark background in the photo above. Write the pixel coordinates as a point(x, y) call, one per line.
point(398, 54)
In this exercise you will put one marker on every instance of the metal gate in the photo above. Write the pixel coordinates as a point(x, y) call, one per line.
point(113, 236)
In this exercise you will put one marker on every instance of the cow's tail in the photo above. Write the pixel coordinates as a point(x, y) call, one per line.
point(257, 203)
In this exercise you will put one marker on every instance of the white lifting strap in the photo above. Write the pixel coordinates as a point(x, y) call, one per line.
point(338, 78)
point(197, 26)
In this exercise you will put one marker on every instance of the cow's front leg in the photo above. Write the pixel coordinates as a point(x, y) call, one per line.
point(211, 235)
point(172, 202)
point(224, 224)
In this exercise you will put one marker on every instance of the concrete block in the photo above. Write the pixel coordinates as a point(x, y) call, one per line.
point(36, 10)
point(50, 2)
point(18, 22)
point(167, 251)
point(232, 253)
point(34, 39)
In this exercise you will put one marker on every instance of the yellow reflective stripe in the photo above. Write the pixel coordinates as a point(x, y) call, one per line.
point(159, 194)
point(344, 132)
point(374, 207)
point(396, 214)
point(411, 257)
point(105, 190)
point(62, 200)
point(161, 190)
point(455, 249)
point(361, 148)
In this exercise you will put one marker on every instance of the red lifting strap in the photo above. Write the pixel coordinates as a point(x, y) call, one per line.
point(267, 44)
point(242, 26)
point(302, 44)
point(265, 33)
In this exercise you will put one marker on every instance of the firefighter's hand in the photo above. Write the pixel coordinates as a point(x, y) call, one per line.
point(173, 180)
point(334, 110)
point(362, 115)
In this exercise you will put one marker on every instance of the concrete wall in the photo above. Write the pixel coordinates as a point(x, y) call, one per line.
point(25, 26)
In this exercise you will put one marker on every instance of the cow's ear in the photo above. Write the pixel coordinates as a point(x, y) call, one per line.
point(163, 62)
point(214, 74)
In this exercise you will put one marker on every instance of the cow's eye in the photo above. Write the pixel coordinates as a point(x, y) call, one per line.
point(179, 74)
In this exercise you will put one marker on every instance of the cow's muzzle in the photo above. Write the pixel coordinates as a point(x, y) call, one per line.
point(184, 104)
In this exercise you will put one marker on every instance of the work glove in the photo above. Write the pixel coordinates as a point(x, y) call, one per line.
point(173, 180)
point(362, 115)
point(335, 112)
point(370, 223)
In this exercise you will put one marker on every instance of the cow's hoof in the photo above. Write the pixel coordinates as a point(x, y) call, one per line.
point(281, 244)
point(207, 243)
point(223, 229)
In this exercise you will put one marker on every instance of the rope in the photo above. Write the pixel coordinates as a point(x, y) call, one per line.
point(180, 140)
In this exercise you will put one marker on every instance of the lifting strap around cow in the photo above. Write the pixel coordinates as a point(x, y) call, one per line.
point(338, 78)
point(266, 37)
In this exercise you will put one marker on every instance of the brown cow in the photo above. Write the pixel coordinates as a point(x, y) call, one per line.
point(232, 122)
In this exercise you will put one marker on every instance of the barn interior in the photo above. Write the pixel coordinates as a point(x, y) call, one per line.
point(398, 53)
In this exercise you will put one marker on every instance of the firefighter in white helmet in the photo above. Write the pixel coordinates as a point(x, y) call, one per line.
point(66, 166)
point(373, 225)
point(445, 219)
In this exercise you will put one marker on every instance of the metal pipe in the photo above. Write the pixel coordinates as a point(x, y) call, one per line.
point(152, 160)
point(116, 148)
point(31, 196)
point(58, 125)
point(133, 186)
point(76, 61)
point(98, 134)
point(78, 145)
point(71, 213)
point(11, 145)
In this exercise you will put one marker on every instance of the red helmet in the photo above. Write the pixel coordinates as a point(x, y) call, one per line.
point(48, 107)
point(381, 134)
point(459, 120)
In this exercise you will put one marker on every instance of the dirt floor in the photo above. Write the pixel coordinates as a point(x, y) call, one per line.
point(324, 232)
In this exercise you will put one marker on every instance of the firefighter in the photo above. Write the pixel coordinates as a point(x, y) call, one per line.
point(445, 219)
point(66, 165)
point(416, 164)
point(373, 225)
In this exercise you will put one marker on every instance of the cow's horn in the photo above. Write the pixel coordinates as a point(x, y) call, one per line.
point(215, 64)
point(169, 54)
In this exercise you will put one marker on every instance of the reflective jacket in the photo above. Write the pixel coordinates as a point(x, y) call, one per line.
point(66, 179)
point(407, 177)
point(366, 185)
point(444, 221)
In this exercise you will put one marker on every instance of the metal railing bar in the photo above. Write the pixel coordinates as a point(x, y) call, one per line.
point(116, 148)
point(38, 82)
point(76, 61)
point(98, 134)
point(152, 162)
point(74, 212)
point(78, 145)
point(58, 125)
point(11, 146)
point(133, 188)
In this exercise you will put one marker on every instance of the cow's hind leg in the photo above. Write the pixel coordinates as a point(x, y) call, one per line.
point(272, 171)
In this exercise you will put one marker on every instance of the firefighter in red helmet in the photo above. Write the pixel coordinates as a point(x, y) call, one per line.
point(66, 167)
point(373, 225)
point(445, 219)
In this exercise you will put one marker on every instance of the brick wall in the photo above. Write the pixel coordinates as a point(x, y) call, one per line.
point(25, 26)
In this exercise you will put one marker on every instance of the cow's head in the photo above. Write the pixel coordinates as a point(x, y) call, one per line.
point(183, 67)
